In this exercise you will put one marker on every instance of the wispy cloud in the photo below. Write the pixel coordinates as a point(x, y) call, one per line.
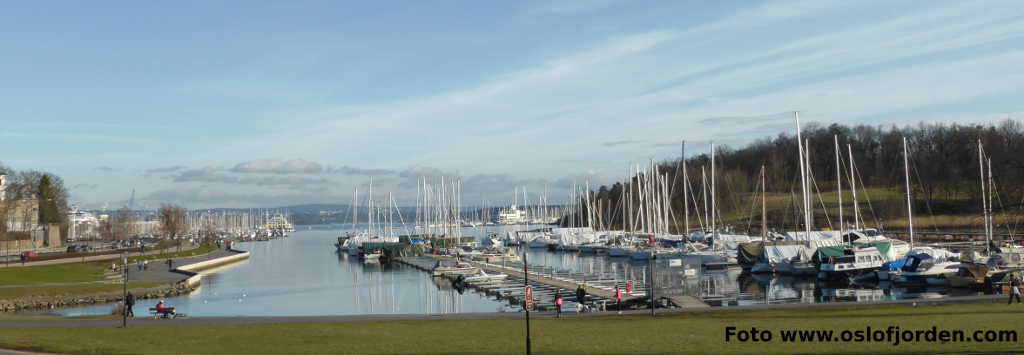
point(105, 168)
point(271, 166)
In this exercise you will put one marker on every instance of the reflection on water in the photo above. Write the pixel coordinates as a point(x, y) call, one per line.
point(302, 275)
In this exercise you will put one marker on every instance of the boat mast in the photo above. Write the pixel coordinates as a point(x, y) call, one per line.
point(713, 230)
point(984, 199)
point(686, 185)
point(803, 175)
point(853, 189)
point(910, 211)
point(991, 215)
point(764, 205)
point(704, 197)
point(839, 187)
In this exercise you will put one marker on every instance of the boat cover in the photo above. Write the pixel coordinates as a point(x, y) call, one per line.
point(894, 265)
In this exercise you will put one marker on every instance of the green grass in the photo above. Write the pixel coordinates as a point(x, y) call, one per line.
point(203, 249)
point(77, 272)
point(632, 334)
point(9, 293)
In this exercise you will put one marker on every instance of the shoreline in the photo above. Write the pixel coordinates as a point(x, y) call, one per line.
point(181, 280)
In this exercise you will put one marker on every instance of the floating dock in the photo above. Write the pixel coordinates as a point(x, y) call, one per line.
point(546, 281)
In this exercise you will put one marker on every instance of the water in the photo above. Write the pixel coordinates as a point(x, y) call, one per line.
point(302, 275)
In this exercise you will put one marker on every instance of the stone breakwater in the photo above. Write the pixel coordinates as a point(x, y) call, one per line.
point(50, 302)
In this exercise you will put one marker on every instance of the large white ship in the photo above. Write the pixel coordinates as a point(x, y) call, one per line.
point(511, 215)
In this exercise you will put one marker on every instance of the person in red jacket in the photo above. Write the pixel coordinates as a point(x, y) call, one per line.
point(618, 298)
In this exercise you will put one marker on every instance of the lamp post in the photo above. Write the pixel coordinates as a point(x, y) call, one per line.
point(124, 295)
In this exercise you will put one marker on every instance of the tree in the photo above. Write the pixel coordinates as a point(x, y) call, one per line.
point(172, 221)
point(123, 223)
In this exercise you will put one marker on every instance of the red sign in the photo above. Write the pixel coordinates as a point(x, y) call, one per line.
point(528, 298)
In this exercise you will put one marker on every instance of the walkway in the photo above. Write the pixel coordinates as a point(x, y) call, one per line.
point(62, 323)
point(97, 257)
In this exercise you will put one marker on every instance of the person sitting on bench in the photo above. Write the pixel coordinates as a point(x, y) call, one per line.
point(164, 310)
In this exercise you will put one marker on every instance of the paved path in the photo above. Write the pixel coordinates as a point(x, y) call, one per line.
point(62, 323)
point(103, 257)
point(157, 269)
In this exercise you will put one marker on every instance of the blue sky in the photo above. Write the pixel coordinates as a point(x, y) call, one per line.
point(246, 104)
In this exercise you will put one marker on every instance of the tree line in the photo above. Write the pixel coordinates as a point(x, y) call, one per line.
point(943, 158)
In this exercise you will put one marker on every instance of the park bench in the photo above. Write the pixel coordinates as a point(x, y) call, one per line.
point(167, 312)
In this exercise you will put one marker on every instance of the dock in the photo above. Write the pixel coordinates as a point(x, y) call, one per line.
point(546, 281)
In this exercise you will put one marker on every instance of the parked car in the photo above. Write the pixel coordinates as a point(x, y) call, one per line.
point(29, 255)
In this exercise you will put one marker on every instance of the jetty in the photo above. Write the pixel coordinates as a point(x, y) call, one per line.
point(546, 281)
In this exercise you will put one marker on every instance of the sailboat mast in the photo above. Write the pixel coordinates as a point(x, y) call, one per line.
point(984, 198)
point(803, 175)
point(764, 204)
point(853, 189)
point(991, 217)
point(713, 189)
point(686, 186)
point(839, 187)
point(910, 211)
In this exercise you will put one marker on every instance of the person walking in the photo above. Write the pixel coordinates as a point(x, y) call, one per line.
point(618, 298)
point(1014, 290)
point(170, 264)
point(558, 303)
point(581, 296)
point(129, 303)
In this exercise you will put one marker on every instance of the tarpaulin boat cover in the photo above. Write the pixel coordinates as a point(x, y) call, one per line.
point(978, 271)
point(784, 253)
point(938, 254)
point(749, 253)
point(895, 265)
point(822, 255)
point(884, 248)
point(732, 241)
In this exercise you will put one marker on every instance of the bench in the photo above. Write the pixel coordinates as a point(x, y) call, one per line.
point(167, 312)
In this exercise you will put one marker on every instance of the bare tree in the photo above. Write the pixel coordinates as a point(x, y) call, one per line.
point(123, 223)
point(172, 221)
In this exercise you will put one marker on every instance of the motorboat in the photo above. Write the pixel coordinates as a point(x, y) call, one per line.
point(839, 262)
point(922, 269)
point(443, 268)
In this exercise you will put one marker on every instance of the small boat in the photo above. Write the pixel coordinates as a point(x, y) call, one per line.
point(852, 262)
point(460, 268)
point(922, 269)
point(483, 276)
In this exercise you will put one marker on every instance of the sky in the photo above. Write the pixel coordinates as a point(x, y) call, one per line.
point(263, 104)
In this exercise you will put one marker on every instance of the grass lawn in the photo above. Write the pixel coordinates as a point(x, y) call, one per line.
point(632, 334)
point(7, 293)
point(77, 272)
point(202, 249)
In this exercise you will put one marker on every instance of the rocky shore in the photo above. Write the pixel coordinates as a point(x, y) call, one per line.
point(32, 303)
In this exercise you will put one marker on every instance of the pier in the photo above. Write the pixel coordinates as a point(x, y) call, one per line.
point(546, 281)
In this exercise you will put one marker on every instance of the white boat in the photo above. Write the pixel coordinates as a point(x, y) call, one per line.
point(442, 268)
point(922, 269)
point(853, 261)
point(483, 276)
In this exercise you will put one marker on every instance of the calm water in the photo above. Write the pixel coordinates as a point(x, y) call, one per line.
point(302, 275)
